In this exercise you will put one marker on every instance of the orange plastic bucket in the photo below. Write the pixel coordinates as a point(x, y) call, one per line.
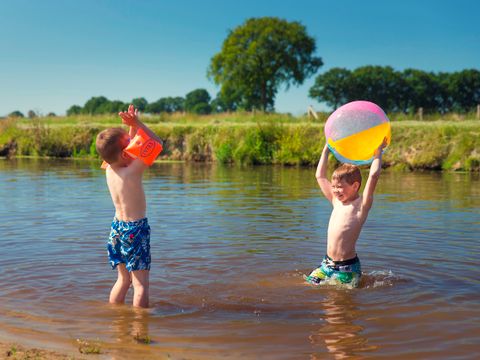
point(142, 147)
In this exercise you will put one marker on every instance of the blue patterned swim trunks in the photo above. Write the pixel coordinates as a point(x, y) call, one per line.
point(129, 244)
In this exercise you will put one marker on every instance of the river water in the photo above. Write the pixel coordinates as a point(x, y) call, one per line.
point(229, 248)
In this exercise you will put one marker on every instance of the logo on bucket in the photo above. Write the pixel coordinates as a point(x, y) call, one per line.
point(147, 148)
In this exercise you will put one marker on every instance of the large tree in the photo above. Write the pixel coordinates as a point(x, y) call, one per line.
point(16, 113)
point(166, 105)
point(332, 87)
point(140, 103)
point(382, 85)
point(260, 56)
point(96, 105)
point(443, 92)
point(464, 88)
point(420, 92)
point(74, 110)
point(198, 102)
point(379, 84)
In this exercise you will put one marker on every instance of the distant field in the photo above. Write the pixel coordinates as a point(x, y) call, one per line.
point(450, 142)
point(229, 118)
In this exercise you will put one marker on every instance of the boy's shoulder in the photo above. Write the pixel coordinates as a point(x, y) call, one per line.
point(356, 203)
point(137, 166)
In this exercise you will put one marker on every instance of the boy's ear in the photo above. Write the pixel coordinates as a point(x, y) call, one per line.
point(356, 185)
point(124, 155)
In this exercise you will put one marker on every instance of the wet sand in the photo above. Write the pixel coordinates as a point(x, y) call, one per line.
point(10, 350)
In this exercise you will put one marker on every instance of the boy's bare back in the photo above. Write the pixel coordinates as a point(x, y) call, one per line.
point(126, 189)
point(124, 178)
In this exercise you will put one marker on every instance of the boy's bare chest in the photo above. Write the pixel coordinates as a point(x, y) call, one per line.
point(347, 216)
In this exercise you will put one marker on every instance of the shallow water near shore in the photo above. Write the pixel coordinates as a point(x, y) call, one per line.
point(229, 248)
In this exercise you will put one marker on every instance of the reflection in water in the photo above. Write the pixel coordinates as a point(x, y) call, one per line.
point(341, 334)
point(130, 333)
point(130, 324)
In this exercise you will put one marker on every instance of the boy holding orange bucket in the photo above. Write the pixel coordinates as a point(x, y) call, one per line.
point(129, 241)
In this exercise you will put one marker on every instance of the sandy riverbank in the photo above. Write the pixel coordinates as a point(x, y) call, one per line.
point(15, 351)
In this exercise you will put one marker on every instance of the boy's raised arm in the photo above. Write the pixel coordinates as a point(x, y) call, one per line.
point(131, 119)
point(321, 175)
point(373, 176)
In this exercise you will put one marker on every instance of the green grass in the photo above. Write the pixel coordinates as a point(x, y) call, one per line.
point(448, 143)
point(12, 351)
point(167, 119)
point(142, 339)
point(88, 347)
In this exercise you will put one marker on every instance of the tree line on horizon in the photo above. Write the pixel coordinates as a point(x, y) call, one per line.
point(394, 91)
point(264, 54)
point(400, 91)
point(197, 101)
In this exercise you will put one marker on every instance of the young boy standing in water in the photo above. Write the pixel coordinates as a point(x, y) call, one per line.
point(129, 242)
point(350, 210)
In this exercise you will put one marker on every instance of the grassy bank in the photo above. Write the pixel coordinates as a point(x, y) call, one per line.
point(452, 143)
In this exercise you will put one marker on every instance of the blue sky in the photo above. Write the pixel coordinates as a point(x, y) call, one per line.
point(56, 53)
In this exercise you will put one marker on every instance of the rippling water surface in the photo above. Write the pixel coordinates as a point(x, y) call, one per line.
point(229, 247)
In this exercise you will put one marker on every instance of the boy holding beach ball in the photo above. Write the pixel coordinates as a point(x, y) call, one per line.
point(350, 208)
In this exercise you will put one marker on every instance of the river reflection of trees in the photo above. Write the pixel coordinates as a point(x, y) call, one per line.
point(274, 182)
point(459, 188)
point(294, 183)
point(254, 181)
point(61, 168)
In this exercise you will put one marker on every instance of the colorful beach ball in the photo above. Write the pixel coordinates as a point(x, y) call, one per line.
point(355, 130)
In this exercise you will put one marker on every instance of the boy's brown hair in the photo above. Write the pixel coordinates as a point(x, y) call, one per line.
point(109, 145)
point(348, 172)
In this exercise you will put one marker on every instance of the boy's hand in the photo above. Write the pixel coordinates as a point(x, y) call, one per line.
point(130, 117)
point(382, 146)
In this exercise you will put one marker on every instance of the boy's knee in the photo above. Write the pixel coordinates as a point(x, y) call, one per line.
point(140, 285)
point(125, 285)
point(140, 281)
point(126, 281)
